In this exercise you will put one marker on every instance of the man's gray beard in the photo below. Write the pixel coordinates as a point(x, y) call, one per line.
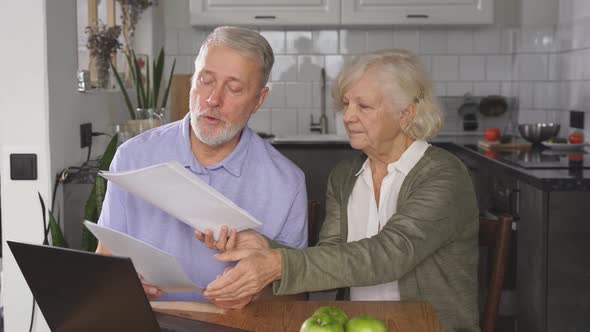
point(225, 135)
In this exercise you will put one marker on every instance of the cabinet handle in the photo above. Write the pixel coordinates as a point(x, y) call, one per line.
point(265, 17)
point(417, 16)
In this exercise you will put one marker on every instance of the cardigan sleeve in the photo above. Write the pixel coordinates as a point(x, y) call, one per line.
point(438, 204)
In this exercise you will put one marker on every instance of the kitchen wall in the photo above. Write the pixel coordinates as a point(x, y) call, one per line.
point(523, 62)
point(41, 112)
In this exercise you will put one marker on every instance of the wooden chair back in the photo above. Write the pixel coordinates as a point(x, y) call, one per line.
point(494, 235)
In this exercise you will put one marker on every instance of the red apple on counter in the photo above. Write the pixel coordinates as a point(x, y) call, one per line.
point(492, 134)
point(576, 138)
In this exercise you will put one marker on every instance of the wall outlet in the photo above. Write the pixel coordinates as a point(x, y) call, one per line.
point(577, 119)
point(85, 135)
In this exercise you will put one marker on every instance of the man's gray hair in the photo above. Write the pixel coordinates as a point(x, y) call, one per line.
point(248, 43)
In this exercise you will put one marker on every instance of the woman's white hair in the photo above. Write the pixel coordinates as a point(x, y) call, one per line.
point(248, 43)
point(404, 80)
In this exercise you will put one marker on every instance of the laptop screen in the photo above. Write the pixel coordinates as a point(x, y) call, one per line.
point(82, 291)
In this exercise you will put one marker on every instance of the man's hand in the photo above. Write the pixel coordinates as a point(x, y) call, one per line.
point(256, 269)
point(246, 239)
point(152, 292)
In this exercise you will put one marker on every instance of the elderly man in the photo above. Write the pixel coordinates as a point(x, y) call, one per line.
point(214, 142)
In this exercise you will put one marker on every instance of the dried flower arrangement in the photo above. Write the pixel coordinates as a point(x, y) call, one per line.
point(103, 42)
point(131, 11)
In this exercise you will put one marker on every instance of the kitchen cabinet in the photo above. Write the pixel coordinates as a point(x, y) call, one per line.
point(445, 12)
point(553, 266)
point(264, 12)
point(340, 12)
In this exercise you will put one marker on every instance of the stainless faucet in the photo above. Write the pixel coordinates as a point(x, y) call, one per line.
point(322, 125)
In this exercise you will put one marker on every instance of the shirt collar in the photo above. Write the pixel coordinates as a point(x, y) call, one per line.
point(406, 162)
point(409, 158)
point(232, 163)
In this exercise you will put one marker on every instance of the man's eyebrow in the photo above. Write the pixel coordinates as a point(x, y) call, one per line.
point(231, 78)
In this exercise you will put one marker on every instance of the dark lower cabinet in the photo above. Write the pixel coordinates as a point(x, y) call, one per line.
point(554, 260)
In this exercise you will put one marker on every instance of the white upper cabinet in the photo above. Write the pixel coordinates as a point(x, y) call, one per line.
point(418, 12)
point(265, 12)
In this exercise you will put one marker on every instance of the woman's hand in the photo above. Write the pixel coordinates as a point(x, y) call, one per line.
point(246, 239)
point(235, 304)
point(256, 269)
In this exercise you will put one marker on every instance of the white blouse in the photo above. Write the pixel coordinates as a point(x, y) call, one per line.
point(365, 219)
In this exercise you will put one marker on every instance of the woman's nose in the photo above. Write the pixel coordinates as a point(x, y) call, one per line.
point(349, 114)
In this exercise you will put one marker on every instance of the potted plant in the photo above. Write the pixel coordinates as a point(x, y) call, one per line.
point(148, 111)
point(103, 42)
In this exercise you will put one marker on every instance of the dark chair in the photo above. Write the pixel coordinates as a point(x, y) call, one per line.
point(313, 222)
point(494, 235)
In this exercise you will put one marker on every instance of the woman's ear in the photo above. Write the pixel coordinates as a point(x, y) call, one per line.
point(407, 114)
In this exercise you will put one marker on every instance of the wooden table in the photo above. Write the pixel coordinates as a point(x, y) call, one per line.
point(289, 315)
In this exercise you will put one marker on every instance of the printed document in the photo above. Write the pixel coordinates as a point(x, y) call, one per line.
point(157, 267)
point(177, 191)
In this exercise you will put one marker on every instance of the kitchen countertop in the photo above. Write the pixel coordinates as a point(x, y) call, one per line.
point(544, 179)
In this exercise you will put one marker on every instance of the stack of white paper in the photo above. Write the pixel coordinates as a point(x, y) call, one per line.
point(157, 267)
point(177, 191)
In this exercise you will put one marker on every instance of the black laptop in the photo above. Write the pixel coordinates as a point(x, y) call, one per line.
point(83, 291)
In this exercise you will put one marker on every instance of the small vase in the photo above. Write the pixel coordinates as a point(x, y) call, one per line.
point(102, 67)
point(146, 119)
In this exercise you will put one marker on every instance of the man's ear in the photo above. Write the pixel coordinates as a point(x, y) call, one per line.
point(261, 97)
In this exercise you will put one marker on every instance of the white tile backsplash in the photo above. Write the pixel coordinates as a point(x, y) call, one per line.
point(546, 95)
point(285, 68)
point(333, 64)
point(472, 68)
point(499, 67)
point(406, 38)
point(546, 68)
point(276, 97)
point(532, 67)
point(260, 121)
point(486, 88)
point(433, 41)
point(486, 41)
point(309, 68)
point(445, 67)
point(298, 94)
point(276, 39)
point(459, 88)
point(325, 41)
point(353, 41)
point(284, 121)
point(460, 41)
point(379, 39)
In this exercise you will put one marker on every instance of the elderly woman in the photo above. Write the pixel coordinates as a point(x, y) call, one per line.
point(401, 221)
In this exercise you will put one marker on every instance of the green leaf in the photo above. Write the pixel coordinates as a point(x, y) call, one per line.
point(165, 98)
point(139, 82)
point(148, 94)
point(132, 70)
point(108, 155)
point(93, 205)
point(157, 73)
point(124, 91)
point(57, 238)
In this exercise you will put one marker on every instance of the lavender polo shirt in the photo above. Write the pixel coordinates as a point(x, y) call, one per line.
point(255, 176)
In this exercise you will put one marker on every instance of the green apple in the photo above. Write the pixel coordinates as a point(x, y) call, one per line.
point(334, 313)
point(321, 323)
point(365, 324)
